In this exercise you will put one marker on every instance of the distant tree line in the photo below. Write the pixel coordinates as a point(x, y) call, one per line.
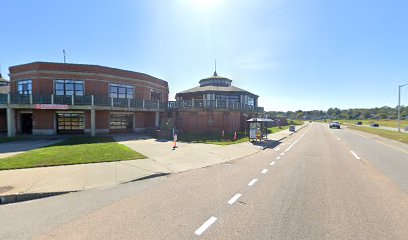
point(335, 113)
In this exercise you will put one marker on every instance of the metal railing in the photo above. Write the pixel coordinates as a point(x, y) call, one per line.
point(212, 104)
point(91, 100)
point(88, 100)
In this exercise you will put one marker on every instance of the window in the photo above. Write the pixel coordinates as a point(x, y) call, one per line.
point(121, 91)
point(121, 122)
point(70, 123)
point(155, 95)
point(251, 101)
point(69, 87)
point(25, 87)
point(229, 98)
point(209, 96)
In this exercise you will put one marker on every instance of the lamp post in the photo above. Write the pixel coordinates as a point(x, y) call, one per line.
point(399, 105)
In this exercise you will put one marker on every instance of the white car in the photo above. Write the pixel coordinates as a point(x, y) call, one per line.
point(334, 125)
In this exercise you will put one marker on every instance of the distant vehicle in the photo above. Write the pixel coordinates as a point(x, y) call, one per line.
point(374, 125)
point(359, 123)
point(334, 125)
point(406, 128)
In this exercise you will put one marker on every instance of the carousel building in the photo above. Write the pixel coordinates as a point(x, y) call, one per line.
point(214, 106)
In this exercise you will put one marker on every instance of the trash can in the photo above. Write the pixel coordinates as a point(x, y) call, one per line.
point(292, 128)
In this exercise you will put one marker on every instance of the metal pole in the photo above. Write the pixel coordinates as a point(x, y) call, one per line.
point(399, 108)
point(399, 105)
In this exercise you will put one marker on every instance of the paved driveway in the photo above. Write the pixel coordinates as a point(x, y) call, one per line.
point(12, 148)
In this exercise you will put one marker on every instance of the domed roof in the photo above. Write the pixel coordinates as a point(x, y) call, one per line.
point(215, 80)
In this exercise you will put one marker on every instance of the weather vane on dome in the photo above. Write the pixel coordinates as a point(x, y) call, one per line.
point(215, 72)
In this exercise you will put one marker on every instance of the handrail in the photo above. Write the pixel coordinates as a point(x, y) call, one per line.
point(90, 100)
point(87, 100)
point(212, 104)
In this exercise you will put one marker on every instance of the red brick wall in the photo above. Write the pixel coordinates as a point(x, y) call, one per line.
point(102, 119)
point(96, 78)
point(209, 121)
point(150, 118)
point(43, 119)
point(145, 119)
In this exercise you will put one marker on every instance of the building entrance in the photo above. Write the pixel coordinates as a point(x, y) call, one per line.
point(26, 123)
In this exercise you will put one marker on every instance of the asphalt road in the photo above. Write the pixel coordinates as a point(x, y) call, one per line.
point(317, 184)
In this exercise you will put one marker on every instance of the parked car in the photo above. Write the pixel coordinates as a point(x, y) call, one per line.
point(374, 125)
point(359, 123)
point(334, 125)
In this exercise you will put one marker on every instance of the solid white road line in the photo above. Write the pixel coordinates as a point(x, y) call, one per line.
point(272, 163)
point(278, 158)
point(380, 142)
point(234, 198)
point(206, 225)
point(296, 141)
point(264, 171)
point(252, 182)
point(354, 154)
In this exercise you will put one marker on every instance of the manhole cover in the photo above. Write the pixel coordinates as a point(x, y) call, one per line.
point(5, 189)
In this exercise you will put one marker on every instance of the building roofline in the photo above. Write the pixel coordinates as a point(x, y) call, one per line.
point(85, 65)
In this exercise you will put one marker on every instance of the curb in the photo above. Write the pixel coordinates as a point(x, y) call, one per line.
point(13, 198)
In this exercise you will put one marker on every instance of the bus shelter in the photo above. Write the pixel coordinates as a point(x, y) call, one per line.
point(258, 128)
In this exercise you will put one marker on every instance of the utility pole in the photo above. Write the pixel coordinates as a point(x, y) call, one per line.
point(63, 51)
point(399, 105)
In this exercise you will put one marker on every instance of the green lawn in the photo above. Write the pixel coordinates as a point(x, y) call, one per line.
point(276, 129)
point(382, 123)
point(295, 122)
point(75, 150)
point(217, 140)
point(212, 138)
point(399, 136)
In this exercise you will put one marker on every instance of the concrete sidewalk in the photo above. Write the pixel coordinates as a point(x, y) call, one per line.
point(22, 184)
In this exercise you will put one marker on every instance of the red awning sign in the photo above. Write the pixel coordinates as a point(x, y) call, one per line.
point(51, 106)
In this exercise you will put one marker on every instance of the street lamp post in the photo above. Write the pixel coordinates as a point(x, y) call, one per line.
point(399, 105)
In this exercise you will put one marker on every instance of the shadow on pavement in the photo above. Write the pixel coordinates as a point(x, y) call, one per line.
point(266, 143)
point(28, 196)
point(148, 177)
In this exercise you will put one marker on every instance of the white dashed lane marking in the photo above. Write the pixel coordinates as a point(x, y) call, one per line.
point(355, 155)
point(252, 182)
point(206, 225)
point(264, 171)
point(234, 198)
point(296, 140)
point(272, 163)
point(278, 158)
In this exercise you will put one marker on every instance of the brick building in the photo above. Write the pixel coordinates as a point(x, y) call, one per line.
point(213, 106)
point(58, 98)
point(4, 89)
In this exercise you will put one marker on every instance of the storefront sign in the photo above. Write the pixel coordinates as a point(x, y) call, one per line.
point(51, 106)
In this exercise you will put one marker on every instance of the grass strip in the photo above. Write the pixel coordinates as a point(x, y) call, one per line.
point(398, 136)
point(75, 150)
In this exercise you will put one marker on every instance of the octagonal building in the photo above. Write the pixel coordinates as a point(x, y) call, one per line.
point(212, 107)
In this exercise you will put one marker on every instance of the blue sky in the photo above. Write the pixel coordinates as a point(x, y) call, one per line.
point(295, 54)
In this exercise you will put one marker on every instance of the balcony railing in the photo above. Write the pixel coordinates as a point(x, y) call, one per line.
point(103, 101)
point(88, 100)
point(212, 104)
